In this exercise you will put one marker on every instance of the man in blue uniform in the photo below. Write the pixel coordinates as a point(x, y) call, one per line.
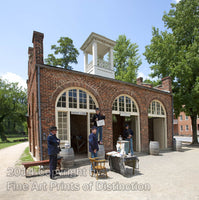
point(98, 116)
point(128, 136)
point(93, 143)
point(53, 150)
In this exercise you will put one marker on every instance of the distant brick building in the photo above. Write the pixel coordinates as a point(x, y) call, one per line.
point(68, 99)
point(183, 126)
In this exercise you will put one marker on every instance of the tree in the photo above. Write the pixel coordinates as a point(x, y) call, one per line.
point(175, 53)
point(153, 82)
point(126, 60)
point(66, 51)
point(13, 104)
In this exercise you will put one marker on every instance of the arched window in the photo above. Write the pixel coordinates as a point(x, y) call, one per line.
point(76, 99)
point(156, 109)
point(125, 104)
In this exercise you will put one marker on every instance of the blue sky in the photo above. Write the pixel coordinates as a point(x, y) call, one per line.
point(75, 19)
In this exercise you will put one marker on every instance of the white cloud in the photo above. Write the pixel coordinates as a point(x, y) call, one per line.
point(141, 74)
point(14, 78)
point(176, 1)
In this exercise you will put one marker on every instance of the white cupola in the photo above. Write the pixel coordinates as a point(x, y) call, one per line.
point(98, 46)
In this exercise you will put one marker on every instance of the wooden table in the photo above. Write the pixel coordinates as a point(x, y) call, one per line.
point(118, 164)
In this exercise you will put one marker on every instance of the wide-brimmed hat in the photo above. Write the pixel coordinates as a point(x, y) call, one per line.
point(94, 127)
point(53, 128)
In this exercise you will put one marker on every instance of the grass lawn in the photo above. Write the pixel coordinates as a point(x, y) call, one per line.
point(26, 157)
point(7, 144)
point(11, 142)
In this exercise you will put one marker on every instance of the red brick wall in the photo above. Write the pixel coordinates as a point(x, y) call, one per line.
point(54, 80)
point(183, 123)
point(35, 56)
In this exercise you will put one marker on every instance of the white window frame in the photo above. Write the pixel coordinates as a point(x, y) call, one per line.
point(181, 128)
point(118, 112)
point(150, 112)
point(69, 110)
point(187, 127)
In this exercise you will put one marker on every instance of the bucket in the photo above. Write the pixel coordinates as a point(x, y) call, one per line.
point(68, 158)
point(101, 152)
point(154, 148)
point(177, 145)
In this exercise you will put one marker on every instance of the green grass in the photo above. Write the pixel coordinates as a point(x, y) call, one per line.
point(26, 157)
point(7, 144)
point(11, 142)
point(16, 138)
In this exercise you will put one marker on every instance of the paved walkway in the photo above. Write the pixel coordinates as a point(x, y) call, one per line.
point(172, 175)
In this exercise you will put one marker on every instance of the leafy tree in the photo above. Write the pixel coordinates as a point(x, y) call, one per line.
point(13, 105)
point(153, 83)
point(66, 53)
point(126, 60)
point(175, 53)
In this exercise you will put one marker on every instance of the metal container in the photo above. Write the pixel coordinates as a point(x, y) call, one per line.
point(123, 146)
point(68, 158)
point(154, 148)
point(101, 152)
point(177, 145)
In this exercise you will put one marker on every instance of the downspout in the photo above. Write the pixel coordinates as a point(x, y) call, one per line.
point(172, 122)
point(39, 111)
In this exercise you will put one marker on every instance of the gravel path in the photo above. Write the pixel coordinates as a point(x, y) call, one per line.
point(172, 175)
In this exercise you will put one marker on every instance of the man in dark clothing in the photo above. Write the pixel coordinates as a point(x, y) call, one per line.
point(93, 143)
point(53, 150)
point(128, 136)
point(96, 118)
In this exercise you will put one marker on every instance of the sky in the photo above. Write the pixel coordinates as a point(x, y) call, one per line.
point(75, 19)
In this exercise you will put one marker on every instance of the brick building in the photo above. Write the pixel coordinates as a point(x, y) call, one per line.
point(182, 125)
point(68, 99)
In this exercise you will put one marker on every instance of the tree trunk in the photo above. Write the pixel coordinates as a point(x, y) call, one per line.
point(194, 128)
point(2, 134)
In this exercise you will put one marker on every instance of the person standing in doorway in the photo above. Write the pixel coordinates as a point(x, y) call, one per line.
point(98, 116)
point(53, 150)
point(128, 136)
point(93, 143)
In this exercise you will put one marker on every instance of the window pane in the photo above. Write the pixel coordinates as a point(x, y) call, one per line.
point(62, 101)
point(162, 111)
point(62, 125)
point(153, 107)
point(158, 108)
point(91, 103)
point(128, 104)
point(72, 98)
point(114, 107)
point(121, 103)
point(82, 99)
point(134, 106)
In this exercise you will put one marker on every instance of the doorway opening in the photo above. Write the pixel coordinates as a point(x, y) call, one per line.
point(157, 130)
point(157, 126)
point(119, 126)
point(79, 136)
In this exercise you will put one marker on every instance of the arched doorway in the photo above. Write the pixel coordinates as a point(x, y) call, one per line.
point(157, 124)
point(74, 112)
point(125, 111)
